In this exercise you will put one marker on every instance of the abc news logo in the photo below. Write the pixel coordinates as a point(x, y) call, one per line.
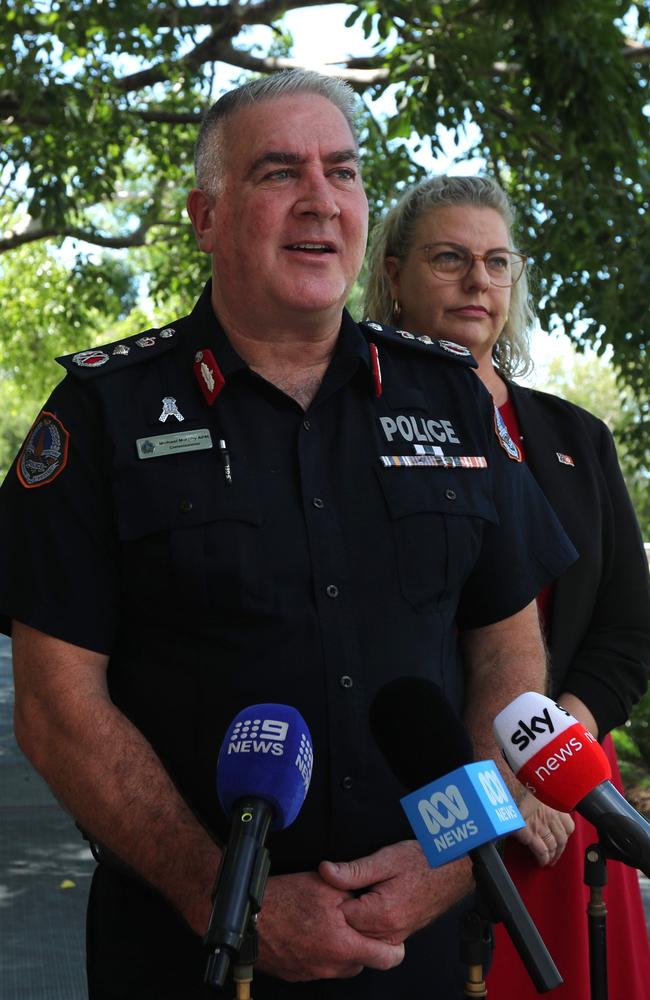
point(268, 736)
point(445, 808)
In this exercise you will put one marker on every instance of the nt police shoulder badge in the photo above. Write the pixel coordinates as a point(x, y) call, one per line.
point(45, 452)
point(506, 442)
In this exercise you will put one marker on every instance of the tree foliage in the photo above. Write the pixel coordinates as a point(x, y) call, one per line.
point(100, 101)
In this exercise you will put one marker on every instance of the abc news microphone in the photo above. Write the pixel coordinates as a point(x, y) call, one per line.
point(263, 774)
point(563, 764)
point(462, 811)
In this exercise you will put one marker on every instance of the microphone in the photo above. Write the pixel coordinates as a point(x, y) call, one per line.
point(563, 764)
point(463, 810)
point(263, 774)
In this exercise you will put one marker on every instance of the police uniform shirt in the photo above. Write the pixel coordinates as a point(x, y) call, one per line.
point(314, 558)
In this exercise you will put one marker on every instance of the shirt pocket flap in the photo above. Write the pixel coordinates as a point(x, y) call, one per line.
point(159, 497)
point(425, 489)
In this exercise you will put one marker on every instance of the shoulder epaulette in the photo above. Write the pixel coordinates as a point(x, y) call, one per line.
point(114, 357)
point(447, 349)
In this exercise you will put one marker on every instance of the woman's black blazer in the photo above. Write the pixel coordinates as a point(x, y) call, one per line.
point(600, 622)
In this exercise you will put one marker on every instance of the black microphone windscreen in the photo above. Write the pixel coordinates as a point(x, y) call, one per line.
point(418, 732)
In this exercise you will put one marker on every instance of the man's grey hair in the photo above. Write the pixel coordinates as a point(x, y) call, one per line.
point(393, 237)
point(209, 155)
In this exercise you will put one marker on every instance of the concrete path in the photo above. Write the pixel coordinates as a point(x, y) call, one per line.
point(45, 870)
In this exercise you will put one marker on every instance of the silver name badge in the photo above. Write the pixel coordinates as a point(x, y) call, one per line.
point(168, 444)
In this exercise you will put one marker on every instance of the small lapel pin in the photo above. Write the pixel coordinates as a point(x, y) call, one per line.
point(170, 410)
point(564, 459)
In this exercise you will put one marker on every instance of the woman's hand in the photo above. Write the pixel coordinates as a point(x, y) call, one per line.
point(546, 832)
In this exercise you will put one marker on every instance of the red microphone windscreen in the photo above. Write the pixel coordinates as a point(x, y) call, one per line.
point(550, 752)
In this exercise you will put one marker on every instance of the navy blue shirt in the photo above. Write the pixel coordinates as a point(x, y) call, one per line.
point(331, 551)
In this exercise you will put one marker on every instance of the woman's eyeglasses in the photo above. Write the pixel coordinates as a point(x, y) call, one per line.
point(452, 262)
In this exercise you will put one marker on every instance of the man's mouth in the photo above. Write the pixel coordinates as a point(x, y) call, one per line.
point(311, 247)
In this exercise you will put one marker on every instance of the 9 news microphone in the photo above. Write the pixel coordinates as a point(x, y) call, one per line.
point(462, 812)
point(563, 764)
point(263, 774)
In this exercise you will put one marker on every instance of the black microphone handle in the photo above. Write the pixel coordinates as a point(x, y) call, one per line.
point(505, 904)
point(623, 832)
point(239, 885)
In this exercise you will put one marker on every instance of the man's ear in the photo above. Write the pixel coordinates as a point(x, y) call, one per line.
point(199, 208)
point(392, 271)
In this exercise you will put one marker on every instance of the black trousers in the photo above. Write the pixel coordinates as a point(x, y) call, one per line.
point(138, 948)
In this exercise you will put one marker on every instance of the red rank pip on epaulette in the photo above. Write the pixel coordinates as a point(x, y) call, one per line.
point(376, 369)
point(208, 375)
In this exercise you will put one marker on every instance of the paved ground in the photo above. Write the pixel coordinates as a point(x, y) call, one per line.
point(45, 870)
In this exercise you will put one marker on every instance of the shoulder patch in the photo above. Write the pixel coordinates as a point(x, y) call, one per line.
point(45, 452)
point(121, 353)
point(384, 334)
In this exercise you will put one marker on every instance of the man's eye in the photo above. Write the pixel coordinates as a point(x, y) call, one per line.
point(345, 173)
point(278, 175)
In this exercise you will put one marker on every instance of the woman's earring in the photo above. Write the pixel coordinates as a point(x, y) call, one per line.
point(397, 310)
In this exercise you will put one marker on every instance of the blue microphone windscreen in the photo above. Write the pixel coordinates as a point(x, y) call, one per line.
point(418, 731)
point(266, 753)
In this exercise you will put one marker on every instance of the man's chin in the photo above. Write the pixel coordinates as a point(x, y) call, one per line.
point(318, 300)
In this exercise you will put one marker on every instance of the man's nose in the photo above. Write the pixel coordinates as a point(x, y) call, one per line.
point(317, 198)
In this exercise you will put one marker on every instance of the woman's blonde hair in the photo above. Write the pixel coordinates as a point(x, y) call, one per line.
point(393, 237)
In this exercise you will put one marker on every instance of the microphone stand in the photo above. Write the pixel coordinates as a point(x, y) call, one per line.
point(499, 896)
point(231, 934)
point(595, 876)
point(242, 973)
point(476, 947)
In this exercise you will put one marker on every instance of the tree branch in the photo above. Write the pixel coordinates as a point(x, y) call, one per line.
point(636, 51)
point(227, 22)
point(32, 234)
point(274, 64)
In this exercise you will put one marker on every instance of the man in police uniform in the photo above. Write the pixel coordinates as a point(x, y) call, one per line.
point(264, 501)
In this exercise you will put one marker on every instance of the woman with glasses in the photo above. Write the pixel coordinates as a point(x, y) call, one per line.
point(443, 265)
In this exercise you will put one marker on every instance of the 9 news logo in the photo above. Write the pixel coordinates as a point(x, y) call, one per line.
point(258, 736)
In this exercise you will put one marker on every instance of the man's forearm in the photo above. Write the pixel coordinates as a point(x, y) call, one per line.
point(107, 775)
point(502, 661)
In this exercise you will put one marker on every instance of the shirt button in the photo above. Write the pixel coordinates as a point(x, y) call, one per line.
point(346, 681)
point(332, 590)
point(318, 503)
point(346, 783)
point(185, 506)
point(307, 424)
point(450, 494)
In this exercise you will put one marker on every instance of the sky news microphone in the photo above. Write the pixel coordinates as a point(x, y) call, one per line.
point(263, 774)
point(463, 810)
point(563, 764)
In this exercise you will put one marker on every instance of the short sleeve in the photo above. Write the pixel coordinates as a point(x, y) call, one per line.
point(522, 553)
point(58, 549)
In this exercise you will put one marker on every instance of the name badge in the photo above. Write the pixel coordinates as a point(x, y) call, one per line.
point(169, 444)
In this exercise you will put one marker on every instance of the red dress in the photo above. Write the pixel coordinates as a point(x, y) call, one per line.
point(557, 900)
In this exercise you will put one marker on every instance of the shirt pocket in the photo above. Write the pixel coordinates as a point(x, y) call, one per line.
point(190, 541)
point(437, 517)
